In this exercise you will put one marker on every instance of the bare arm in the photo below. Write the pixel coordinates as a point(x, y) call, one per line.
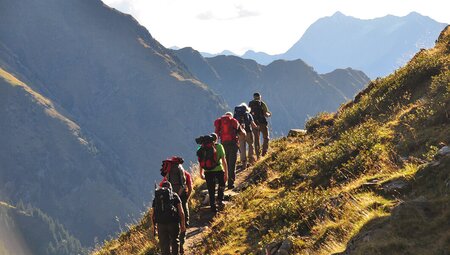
point(202, 175)
point(182, 219)
point(189, 187)
point(225, 169)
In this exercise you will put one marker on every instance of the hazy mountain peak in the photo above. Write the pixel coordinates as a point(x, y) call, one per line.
point(338, 14)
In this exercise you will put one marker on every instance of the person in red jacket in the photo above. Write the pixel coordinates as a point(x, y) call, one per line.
point(226, 128)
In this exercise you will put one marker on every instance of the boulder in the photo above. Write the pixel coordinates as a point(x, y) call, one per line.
point(296, 132)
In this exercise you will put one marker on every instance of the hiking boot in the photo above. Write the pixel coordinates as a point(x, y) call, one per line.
point(221, 206)
point(231, 186)
point(213, 209)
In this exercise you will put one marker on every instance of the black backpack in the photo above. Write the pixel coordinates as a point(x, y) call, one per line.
point(163, 208)
point(258, 112)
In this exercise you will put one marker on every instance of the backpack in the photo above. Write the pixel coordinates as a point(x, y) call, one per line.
point(163, 209)
point(226, 130)
point(168, 163)
point(241, 114)
point(207, 156)
point(258, 112)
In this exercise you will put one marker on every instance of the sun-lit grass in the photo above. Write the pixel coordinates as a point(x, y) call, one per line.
point(325, 191)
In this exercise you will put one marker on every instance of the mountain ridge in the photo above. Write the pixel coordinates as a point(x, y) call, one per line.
point(405, 36)
point(284, 84)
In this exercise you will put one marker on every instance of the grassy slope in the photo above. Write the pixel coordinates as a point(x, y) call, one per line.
point(330, 191)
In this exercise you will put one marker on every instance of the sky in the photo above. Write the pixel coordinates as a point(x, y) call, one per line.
point(270, 26)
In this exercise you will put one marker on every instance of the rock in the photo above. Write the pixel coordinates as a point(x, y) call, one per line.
point(296, 132)
point(395, 187)
point(286, 247)
point(279, 248)
point(205, 200)
point(272, 248)
point(444, 151)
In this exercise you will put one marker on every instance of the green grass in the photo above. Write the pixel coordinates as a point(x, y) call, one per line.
point(325, 191)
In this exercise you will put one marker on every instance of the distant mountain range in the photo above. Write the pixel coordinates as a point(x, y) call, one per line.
point(376, 46)
point(292, 89)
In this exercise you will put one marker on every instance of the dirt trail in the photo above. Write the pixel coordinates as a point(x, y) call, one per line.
point(201, 220)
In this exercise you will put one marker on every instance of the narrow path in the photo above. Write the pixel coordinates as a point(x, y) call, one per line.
point(201, 221)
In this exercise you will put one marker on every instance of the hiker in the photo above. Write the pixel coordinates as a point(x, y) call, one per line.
point(213, 167)
point(226, 128)
point(173, 171)
point(260, 112)
point(168, 219)
point(242, 114)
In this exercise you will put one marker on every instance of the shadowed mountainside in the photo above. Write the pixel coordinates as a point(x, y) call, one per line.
point(99, 105)
point(27, 230)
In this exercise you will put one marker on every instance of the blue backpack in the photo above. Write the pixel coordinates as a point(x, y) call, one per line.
point(241, 114)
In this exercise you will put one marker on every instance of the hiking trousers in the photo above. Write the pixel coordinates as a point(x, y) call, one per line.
point(245, 140)
point(261, 129)
point(211, 179)
point(231, 149)
point(168, 238)
point(184, 204)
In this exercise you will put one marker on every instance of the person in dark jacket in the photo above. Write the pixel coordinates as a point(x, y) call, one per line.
point(260, 112)
point(168, 226)
point(184, 184)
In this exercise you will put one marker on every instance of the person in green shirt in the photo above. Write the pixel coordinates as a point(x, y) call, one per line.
point(218, 174)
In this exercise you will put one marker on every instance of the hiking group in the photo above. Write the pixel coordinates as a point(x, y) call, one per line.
point(217, 165)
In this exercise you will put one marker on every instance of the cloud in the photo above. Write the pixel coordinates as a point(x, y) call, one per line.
point(236, 12)
point(125, 6)
point(208, 15)
point(243, 13)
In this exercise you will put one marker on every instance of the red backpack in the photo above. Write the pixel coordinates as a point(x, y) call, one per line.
point(167, 164)
point(225, 127)
point(207, 156)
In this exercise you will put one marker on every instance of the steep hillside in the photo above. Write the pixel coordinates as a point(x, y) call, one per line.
point(372, 178)
point(27, 230)
point(376, 46)
point(364, 180)
point(292, 89)
point(46, 160)
point(119, 104)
